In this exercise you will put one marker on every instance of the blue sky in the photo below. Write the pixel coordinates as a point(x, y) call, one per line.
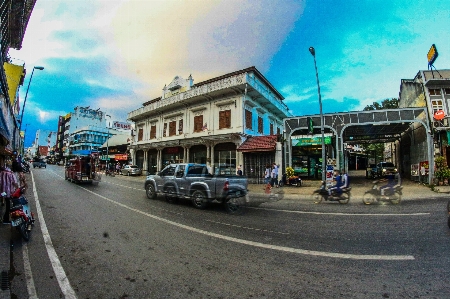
point(117, 54)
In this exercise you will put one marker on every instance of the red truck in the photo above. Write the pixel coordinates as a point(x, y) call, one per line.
point(81, 170)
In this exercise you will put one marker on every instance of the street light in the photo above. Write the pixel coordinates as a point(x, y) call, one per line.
point(107, 143)
point(313, 53)
point(26, 94)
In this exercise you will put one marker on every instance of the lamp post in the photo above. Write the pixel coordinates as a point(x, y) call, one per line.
point(313, 53)
point(24, 136)
point(26, 94)
point(107, 143)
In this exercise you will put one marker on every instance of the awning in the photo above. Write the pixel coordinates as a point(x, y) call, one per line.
point(259, 144)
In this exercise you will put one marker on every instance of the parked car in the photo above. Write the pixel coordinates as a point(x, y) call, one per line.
point(385, 168)
point(131, 170)
point(39, 163)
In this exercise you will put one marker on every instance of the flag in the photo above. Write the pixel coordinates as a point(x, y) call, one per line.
point(205, 127)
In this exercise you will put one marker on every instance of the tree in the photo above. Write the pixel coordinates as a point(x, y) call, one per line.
point(385, 104)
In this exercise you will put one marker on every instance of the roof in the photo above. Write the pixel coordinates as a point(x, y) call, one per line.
point(259, 144)
point(116, 140)
point(246, 70)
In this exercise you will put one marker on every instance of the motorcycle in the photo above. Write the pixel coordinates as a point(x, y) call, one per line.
point(19, 213)
point(110, 172)
point(292, 181)
point(25, 167)
point(323, 194)
point(392, 194)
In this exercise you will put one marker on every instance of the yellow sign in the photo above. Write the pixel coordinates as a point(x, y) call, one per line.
point(14, 76)
point(432, 54)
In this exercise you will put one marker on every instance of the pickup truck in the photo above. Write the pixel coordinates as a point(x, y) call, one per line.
point(39, 163)
point(193, 182)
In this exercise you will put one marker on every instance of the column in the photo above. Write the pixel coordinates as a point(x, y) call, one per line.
point(145, 162)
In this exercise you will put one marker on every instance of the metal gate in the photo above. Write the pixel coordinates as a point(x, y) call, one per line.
point(255, 164)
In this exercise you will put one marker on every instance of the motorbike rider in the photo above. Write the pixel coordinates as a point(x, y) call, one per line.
point(390, 178)
point(338, 183)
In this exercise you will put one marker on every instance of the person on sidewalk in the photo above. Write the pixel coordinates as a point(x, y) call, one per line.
point(267, 173)
point(274, 175)
point(8, 184)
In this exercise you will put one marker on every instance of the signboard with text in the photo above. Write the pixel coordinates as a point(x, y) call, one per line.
point(307, 141)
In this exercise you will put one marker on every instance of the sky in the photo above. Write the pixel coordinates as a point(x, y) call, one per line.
point(117, 54)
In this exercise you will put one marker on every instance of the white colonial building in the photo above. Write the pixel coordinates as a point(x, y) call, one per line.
point(208, 122)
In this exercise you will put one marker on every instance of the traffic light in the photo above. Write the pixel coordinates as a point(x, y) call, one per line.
point(310, 125)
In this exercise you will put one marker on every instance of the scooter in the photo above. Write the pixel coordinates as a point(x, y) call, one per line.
point(292, 181)
point(19, 213)
point(394, 194)
point(25, 167)
point(323, 194)
point(110, 172)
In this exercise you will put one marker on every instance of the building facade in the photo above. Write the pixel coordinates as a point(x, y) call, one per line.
point(207, 122)
point(14, 16)
point(429, 89)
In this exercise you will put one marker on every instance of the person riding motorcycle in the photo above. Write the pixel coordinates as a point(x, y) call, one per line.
point(338, 185)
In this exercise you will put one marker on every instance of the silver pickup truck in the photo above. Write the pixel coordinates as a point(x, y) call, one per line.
point(195, 183)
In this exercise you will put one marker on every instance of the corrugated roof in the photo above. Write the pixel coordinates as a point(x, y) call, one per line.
point(259, 144)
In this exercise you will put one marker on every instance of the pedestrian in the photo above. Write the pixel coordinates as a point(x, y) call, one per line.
point(8, 184)
point(117, 167)
point(274, 175)
point(239, 171)
point(267, 173)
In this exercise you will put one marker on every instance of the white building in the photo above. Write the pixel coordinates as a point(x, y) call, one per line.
point(207, 122)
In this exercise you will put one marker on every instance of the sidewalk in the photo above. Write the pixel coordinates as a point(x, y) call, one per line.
point(411, 190)
point(5, 240)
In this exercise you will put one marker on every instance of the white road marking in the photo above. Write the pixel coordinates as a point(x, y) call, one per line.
point(247, 227)
point(342, 214)
point(258, 244)
point(263, 245)
point(28, 274)
point(60, 274)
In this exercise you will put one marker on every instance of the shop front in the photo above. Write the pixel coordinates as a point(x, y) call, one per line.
point(172, 155)
point(152, 160)
point(307, 156)
point(225, 159)
point(197, 154)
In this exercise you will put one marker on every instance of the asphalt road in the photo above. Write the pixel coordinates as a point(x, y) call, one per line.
point(110, 241)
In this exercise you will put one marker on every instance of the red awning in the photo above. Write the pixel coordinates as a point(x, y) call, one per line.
point(259, 144)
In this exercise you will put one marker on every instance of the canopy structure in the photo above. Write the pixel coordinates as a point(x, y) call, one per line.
point(360, 127)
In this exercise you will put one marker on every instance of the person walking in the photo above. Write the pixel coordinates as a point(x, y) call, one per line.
point(8, 184)
point(274, 175)
point(267, 174)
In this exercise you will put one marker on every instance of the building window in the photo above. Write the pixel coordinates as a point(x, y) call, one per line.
point(248, 119)
point(436, 105)
point(224, 119)
point(141, 134)
point(165, 130)
point(172, 128)
point(278, 131)
point(153, 132)
point(447, 91)
point(198, 123)
point(434, 92)
point(271, 129)
point(260, 125)
point(180, 126)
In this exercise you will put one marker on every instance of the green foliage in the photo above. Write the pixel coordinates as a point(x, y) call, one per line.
point(289, 172)
point(385, 104)
point(442, 171)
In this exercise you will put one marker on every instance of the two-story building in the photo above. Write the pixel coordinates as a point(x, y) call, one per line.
point(207, 123)
point(430, 89)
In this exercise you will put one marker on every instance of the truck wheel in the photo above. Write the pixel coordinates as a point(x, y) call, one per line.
point(150, 191)
point(232, 205)
point(199, 199)
point(171, 196)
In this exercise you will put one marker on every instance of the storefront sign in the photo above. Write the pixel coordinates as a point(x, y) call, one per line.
point(121, 157)
point(307, 141)
point(439, 115)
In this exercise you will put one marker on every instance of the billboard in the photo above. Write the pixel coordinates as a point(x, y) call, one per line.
point(432, 55)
